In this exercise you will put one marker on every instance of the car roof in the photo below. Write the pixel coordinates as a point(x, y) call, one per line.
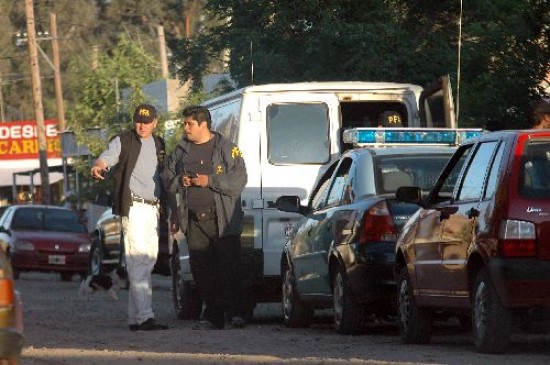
point(509, 134)
point(401, 150)
point(46, 206)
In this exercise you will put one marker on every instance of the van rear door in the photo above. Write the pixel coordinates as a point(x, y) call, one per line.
point(298, 142)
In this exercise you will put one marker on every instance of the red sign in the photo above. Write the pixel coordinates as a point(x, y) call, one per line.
point(19, 140)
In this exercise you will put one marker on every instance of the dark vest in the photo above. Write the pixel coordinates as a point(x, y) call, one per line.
point(131, 146)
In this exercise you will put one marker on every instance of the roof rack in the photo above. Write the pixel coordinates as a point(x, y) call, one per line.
point(409, 136)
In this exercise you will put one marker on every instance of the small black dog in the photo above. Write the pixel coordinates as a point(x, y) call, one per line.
point(110, 283)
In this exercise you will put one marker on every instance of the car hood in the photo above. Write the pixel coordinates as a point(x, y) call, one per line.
point(47, 237)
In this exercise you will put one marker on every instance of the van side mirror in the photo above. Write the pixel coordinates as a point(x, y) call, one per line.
point(288, 203)
point(409, 194)
point(104, 200)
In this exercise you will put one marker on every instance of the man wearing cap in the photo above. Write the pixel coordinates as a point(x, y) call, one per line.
point(209, 173)
point(539, 114)
point(137, 157)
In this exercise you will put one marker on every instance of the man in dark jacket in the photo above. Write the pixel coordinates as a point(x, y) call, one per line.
point(137, 155)
point(209, 173)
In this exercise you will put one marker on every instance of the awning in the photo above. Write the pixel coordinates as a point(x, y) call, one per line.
point(27, 168)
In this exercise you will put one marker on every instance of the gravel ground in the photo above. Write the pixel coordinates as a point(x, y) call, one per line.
point(61, 329)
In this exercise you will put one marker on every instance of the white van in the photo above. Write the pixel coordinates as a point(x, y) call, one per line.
point(289, 134)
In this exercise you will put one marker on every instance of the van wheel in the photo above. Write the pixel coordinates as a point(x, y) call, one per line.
point(415, 323)
point(295, 312)
point(349, 316)
point(186, 297)
point(492, 322)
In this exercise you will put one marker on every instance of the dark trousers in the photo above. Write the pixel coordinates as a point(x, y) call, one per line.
point(217, 271)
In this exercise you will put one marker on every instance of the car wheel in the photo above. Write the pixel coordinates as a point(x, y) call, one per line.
point(492, 322)
point(67, 276)
point(186, 298)
point(415, 323)
point(295, 312)
point(96, 258)
point(349, 316)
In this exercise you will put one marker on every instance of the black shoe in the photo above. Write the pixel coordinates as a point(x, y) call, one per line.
point(134, 327)
point(205, 325)
point(237, 322)
point(151, 325)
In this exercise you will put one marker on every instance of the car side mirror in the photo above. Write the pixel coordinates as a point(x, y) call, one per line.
point(104, 200)
point(409, 194)
point(288, 203)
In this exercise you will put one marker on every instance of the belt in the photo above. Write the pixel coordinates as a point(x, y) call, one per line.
point(144, 201)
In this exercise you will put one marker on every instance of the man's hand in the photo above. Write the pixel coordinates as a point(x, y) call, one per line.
point(98, 170)
point(174, 224)
point(195, 180)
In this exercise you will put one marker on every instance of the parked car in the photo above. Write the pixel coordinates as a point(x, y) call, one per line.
point(478, 246)
point(341, 254)
point(107, 250)
point(45, 238)
point(11, 315)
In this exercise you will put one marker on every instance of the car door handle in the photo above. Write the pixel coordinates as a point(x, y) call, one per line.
point(472, 213)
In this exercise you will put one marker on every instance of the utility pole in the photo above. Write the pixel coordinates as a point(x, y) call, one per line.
point(162, 48)
point(38, 107)
point(57, 76)
point(2, 116)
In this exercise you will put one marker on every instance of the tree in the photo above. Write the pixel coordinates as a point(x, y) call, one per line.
point(504, 53)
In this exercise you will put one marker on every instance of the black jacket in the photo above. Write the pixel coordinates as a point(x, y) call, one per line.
point(227, 182)
point(131, 146)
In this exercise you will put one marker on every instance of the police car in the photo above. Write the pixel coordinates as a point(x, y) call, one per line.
point(341, 253)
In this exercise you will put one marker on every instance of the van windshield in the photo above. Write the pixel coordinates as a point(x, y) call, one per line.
point(535, 169)
point(298, 134)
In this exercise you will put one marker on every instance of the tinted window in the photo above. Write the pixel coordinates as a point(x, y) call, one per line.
point(472, 184)
point(339, 183)
point(63, 221)
point(298, 134)
point(28, 219)
point(410, 170)
point(493, 174)
point(40, 219)
point(535, 170)
point(449, 182)
point(320, 199)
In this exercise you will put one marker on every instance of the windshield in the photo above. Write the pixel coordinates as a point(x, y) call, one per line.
point(40, 219)
point(411, 170)
point(535, 170)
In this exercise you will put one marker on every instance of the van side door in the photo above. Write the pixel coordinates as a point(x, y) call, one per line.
point(298, 141)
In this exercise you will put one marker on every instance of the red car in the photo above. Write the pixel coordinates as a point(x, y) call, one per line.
point(479, 246)
point(45, 238)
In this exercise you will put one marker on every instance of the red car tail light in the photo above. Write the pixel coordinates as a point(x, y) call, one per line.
point(378, 225)
point(6, 292)
point(517, 239)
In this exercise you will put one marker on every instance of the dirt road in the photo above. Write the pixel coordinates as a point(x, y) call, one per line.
point(61, 329)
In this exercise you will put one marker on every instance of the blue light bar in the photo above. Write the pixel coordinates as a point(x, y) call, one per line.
point(410, 136)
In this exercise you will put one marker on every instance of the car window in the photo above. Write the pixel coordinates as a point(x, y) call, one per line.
point(472, 184)
point(409, 170)
point(287, 124)
point(535, 169)
point(28, 219)
point(63, 221)
point(319, 200)
point(450, 177)
point(493, 174)
point(340, 182)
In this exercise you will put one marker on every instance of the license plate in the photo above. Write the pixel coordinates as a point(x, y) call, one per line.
point(56, 259)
